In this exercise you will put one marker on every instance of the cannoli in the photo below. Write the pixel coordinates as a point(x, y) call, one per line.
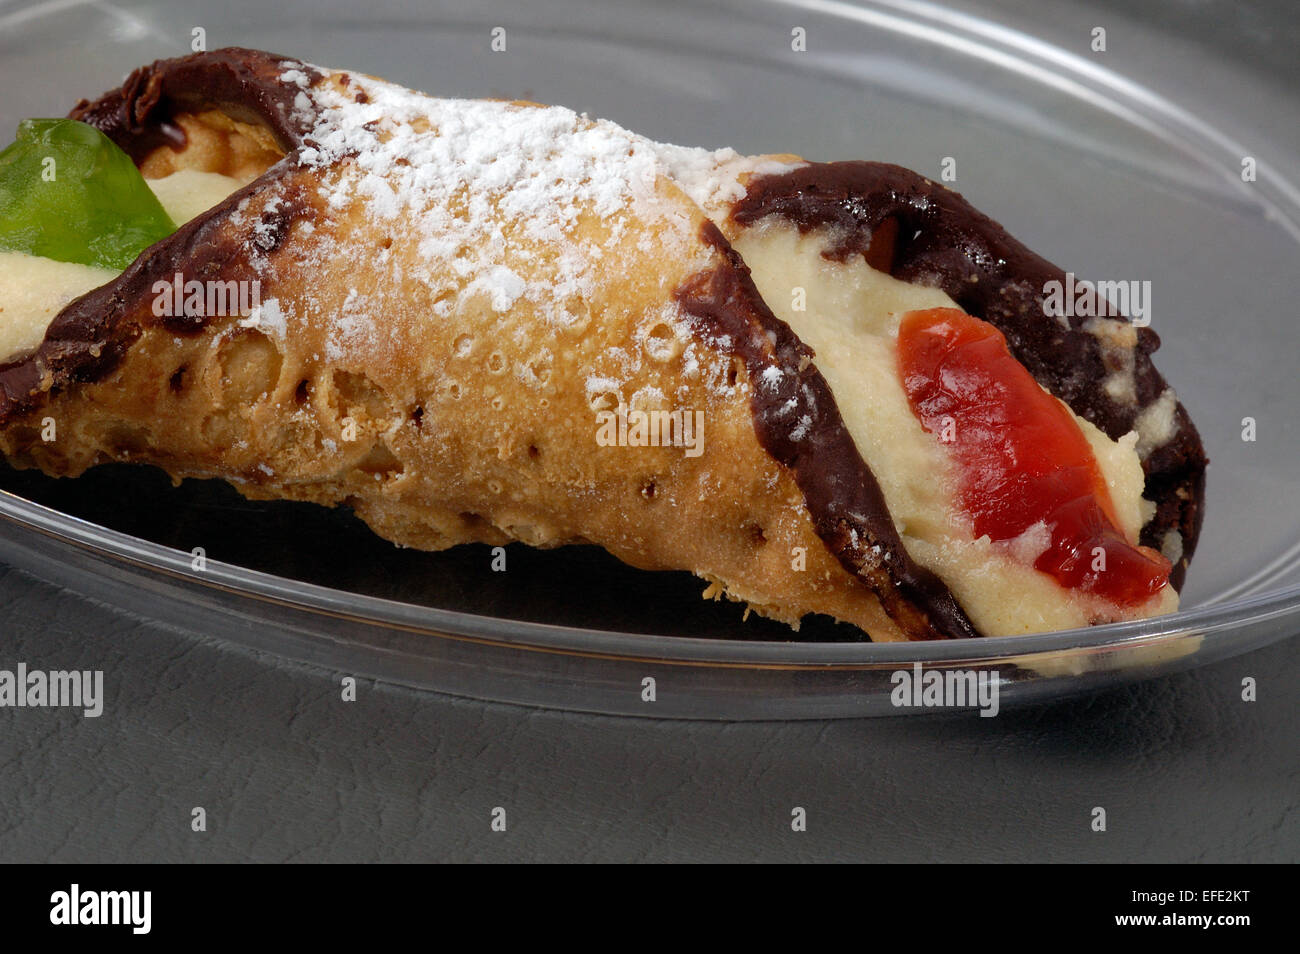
point(483, 321)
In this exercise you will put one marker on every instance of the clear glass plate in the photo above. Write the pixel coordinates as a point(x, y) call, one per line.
point(1123, 164)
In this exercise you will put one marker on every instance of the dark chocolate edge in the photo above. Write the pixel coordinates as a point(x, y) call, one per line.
point(244, 84)
point(942, 241)
point(841, 493)
point(88, 338)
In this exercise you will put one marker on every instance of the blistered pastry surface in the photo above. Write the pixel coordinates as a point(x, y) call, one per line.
point(433, 350)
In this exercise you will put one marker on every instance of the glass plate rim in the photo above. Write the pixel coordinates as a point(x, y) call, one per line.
point(317, 600)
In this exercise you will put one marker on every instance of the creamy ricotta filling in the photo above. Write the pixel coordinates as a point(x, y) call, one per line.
point(849, 313)
point(34, 289)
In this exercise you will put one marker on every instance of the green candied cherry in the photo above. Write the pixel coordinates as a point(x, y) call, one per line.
point(67, 192)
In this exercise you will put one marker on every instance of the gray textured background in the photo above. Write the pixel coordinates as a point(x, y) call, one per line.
point(289, 772)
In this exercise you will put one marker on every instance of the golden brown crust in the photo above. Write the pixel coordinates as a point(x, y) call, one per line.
point(480, 426)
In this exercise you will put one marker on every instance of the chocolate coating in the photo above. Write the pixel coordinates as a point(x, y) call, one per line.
point(244, 84)
point(847, 507)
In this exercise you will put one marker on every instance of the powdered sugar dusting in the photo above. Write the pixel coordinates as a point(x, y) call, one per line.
point(770, 378)
point(354, 328)
point(503, 285)
point(504, 201)
point(712, 178)
point(267, 317)
point(462, 171)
